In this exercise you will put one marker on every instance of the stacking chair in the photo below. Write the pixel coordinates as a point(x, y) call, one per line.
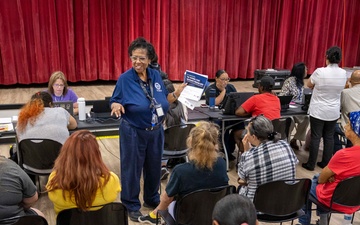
point(196, 207)
point(346, 193)
point(282, 126)
point(24, 220)
point(175, 141)
point(37, 156)
point(113, 213)
point(282, 200)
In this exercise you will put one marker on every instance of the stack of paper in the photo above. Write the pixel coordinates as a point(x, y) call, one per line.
point(192, 93)
point(6, 124)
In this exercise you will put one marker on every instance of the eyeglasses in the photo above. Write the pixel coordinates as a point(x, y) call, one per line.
point(136, 58)
point(224, 79)
point(59, 85)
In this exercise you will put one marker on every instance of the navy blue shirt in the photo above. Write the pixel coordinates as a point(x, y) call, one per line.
point(129, 93)
point(229, 88)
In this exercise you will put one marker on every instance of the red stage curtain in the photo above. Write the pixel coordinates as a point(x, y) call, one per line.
point(88, 39)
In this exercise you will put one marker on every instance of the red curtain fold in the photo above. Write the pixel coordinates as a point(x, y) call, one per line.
point(88, 39)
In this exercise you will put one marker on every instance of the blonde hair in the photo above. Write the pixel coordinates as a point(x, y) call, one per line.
point(53, 78)
point(203, 143)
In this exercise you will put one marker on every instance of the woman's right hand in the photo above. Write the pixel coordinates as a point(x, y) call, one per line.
point(117, 109)
point(246, 143)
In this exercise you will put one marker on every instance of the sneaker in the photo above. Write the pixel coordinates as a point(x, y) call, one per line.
point(134, 216)
point(164, 173)
point(147, 219)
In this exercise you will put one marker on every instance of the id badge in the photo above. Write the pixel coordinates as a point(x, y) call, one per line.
point(159, 110)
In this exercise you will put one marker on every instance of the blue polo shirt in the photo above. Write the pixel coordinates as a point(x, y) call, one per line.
point(129, 93)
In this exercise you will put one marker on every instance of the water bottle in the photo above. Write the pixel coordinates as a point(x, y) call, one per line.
point(81, 105)
point(347, 219)
point(212, 96)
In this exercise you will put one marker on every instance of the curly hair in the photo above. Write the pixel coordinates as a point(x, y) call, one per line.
point(333, 54)
point(203, 143)
point(142, 43)
point(31, 110)
point(79, 169)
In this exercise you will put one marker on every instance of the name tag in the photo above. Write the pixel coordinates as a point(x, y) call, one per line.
point(159, 110)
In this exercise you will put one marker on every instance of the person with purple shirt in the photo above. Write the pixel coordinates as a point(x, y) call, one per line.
point(59, 91)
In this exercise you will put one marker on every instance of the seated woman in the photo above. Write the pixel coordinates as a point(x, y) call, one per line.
point(344, 164)
point(204, 170)
point(38, 119)
point(58, 88)
point(294, 85)
point(18, 193)
point(270, 159)
point(80, 178)
point(222, 88)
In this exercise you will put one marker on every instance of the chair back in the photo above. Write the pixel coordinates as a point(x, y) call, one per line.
point(196, 207)
point(282, 197)
point(282, 126)
point(24, 220)
point(113, 213)
point(37, 156)
point(347, 192)
point(175, 139)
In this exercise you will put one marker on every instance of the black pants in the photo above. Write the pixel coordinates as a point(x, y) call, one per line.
point(321, 129)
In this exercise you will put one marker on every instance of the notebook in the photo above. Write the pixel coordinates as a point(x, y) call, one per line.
point(67, 105)
point(284, 102)
point(233, 100)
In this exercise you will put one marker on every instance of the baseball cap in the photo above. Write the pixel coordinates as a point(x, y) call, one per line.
point(267, 81)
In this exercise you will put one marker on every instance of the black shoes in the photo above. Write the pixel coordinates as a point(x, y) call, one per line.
point(134, 216)
point(306, 166)
point(321, 165)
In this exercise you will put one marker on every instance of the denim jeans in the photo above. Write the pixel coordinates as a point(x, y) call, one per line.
point(305, 219)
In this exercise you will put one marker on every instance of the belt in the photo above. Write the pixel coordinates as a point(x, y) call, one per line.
point(157, 126)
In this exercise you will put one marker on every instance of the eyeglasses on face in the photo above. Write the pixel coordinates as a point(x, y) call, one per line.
point(59, 85)
point(224, 79)
point(136, 58)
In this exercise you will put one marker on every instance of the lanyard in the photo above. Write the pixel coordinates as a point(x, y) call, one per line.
point(149, 95)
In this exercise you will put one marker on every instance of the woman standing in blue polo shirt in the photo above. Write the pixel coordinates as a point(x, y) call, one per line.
point(141, 99)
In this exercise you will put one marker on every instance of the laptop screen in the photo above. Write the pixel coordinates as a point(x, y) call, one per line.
point(67, 105)
point(234, 100)
point(285, 101)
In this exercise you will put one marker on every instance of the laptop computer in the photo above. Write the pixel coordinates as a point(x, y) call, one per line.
point(67, 105)
point(101, 109)
point(285, 101)
point(233, 100)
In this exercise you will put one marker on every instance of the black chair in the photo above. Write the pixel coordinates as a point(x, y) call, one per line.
point(282, 126)
point(113, 213)
point(282, 200)
point(346, 193)
point(196, 207)
point(37, 156)
point(175, 141)
point(24, 220)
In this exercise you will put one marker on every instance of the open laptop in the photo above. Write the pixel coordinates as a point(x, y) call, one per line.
point(233, 100)
point(101, 109)
point(67, 105)
point(284, 102)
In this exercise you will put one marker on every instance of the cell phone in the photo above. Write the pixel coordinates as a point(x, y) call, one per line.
point(204, 106)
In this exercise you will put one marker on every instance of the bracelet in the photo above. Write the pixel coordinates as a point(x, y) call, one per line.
point(174, 95)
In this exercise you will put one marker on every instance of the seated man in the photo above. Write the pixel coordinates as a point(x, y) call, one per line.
point(18, 193)
point(349, 102)
point(265, 103)
point(270, 159)
point(234, 209)
point(344, 164)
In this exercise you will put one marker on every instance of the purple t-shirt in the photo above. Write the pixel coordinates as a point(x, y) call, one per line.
point(70, 96)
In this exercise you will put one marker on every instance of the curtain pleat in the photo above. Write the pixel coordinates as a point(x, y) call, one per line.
point(88, 39)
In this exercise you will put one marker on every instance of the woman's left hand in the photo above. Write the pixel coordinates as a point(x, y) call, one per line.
point(246, 142)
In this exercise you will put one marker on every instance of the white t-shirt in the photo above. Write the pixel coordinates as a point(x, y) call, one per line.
point(325, 100)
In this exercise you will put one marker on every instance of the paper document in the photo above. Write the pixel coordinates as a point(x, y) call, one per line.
point(196, 84)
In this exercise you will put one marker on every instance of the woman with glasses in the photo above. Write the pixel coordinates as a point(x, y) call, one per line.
point(265, 157)
point(142, 101)
point(222, 88)
point(59, 90)
point(294, 85)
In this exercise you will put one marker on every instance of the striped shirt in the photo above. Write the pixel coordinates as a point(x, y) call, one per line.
point(267, 162)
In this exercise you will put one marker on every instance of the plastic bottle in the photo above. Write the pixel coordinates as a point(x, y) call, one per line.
point(81, 105)
point(347, 219)
point(212, 96)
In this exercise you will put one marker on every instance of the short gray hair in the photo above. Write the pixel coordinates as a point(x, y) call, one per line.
point(263, 129)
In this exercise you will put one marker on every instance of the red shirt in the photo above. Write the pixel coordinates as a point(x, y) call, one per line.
point(266, 104)
point(345, 164)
